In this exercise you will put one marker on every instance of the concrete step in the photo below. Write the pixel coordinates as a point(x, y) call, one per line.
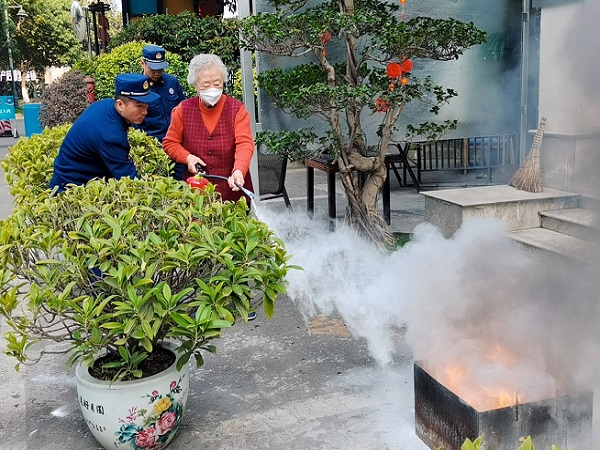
point(589, 202)
point(449, 209)
point(552, 246)
point(577, 222)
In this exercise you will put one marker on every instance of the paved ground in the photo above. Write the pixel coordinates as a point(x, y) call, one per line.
point(5, 142)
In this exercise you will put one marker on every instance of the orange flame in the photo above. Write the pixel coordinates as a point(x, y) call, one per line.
point(462, 379)
point(456, 378)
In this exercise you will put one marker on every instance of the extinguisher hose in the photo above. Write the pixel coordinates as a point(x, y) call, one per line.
point(203, 173)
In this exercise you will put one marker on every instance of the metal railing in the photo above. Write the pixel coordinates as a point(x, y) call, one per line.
point(466, 154)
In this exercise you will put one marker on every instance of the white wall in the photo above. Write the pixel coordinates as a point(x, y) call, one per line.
point(570, 96)
point(52, 73)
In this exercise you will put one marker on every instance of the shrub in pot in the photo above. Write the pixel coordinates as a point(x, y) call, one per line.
point(124, 268)
point(114, 269)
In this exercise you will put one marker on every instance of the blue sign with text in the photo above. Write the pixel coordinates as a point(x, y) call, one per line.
point(7, 107)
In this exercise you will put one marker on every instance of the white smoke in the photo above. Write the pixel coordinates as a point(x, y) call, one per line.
point(474, 298)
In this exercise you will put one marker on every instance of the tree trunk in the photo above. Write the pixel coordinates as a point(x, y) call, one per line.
point(362, 212)
point(24, 90)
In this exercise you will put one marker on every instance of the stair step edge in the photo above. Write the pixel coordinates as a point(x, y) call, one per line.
point(579, 216)
point(559, 243)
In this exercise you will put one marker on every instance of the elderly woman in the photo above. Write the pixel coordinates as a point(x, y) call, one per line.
point(212, 130)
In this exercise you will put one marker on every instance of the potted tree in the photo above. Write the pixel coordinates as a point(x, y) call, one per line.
point(355, 76)
point(129, 277)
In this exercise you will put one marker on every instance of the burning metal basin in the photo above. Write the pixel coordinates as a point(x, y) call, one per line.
point(444, 420)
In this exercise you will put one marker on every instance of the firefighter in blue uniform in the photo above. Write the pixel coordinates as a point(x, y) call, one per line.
point(96, 146)
point(171, 94)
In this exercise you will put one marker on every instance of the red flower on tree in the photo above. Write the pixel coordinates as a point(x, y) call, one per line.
point(393, 70)
point(381, 105)
point(406, 66)
point(325, 38)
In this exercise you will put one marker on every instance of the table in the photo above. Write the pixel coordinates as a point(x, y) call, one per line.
point(329, 166)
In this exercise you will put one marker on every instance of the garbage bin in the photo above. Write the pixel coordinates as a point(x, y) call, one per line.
point(31, 116)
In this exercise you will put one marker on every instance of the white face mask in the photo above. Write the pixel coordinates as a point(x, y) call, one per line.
point(211, 95)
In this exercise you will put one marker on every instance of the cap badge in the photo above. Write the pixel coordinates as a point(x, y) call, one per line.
point(145, 85)
point(158, 56)
point(171, 91)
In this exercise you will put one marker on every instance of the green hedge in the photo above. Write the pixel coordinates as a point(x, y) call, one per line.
point(126, 58)
point(30, 163)
point(187, 35)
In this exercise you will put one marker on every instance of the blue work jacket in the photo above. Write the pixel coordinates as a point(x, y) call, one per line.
point(158, 119)
point(96, 146)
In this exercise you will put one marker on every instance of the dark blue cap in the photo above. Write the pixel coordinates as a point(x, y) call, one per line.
point(135, 86)
point(154, 57)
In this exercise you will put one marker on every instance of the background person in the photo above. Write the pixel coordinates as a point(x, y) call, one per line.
point(96, 146)
point(171, 94)
point(212, 129)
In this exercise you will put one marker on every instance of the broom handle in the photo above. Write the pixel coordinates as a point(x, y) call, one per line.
point(537, 140)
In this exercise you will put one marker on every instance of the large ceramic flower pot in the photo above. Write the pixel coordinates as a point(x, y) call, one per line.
point(139, 414)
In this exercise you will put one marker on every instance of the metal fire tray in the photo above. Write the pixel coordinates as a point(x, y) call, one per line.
point(444, 420)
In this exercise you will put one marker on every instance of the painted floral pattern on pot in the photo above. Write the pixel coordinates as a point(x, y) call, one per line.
point(152, 428)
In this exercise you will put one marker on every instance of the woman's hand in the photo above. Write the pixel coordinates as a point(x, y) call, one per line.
point(236, 177)
point(191, 162)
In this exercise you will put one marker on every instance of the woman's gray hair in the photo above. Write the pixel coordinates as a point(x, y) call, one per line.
point(204, 61)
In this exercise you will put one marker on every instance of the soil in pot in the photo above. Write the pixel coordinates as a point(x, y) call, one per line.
point(157, 361)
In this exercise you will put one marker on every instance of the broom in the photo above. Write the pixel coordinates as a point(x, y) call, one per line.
point(529, 176)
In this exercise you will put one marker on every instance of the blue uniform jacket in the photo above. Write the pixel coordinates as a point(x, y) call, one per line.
point(158, 119)
point(96, 146)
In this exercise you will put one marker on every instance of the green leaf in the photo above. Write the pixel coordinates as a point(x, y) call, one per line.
point(147, 344)
point(121, 341)
point(124, 353)
point(182, 320)
point(130, 325)
point(183, 360)
point(96, 336)
point(112, 325)
point(527, 443)
point(138, 334)
point(199, 359)
point(112, 365)
point(147, 329)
